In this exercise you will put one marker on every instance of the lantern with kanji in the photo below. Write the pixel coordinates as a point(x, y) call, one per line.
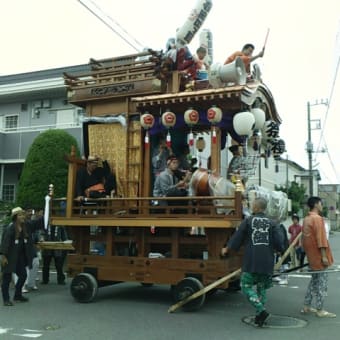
point(147, 121)
point(214, 116)
point(169, 121)
point(191, 118)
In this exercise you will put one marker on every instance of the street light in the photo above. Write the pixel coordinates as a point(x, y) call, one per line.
point(309, 146)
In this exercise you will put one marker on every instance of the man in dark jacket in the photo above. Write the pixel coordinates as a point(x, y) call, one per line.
point(56, 234)
point(260, 237)
point(87, 178)
point(17, 252)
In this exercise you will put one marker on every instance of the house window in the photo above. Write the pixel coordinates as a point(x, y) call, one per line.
point(8, 192)
point(11, 122)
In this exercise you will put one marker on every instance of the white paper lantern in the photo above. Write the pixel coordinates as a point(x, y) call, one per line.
point(244, 123)
point(191, 117)
point(214, 115)
point(147, 121)
point(168, 119)
point(260, 117)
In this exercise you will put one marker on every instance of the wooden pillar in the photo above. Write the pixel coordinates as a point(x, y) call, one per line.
point(109, 241)
point(215, 150)
point(238, 203)
point(72, 173)
point(146, 171)
point(174, 243)
point(174, 82)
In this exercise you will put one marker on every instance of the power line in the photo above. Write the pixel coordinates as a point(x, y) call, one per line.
point(322, 138)
point(326, 116)
point(329, 100)
point(117, 24)
point(108, 25)
point(333, 168)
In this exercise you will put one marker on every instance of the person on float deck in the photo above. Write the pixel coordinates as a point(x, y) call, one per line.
point(88, 177)
point(236, 164)
point(160, 157)
point(246, 55)
point(167, 184)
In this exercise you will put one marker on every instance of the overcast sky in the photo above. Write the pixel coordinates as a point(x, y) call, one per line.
point(299, 64)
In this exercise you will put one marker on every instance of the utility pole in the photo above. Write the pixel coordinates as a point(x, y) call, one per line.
point(287, 177)
point(309, 146)
point(310, 152)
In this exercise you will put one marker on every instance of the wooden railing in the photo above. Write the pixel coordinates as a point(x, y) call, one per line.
point(146, 211)
point(112, 71)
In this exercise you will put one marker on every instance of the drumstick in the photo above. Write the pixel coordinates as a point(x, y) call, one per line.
point(265, 40)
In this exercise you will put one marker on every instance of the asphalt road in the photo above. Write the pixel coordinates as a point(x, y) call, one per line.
point(131, 311)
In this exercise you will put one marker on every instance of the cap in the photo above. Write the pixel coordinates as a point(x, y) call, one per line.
point(16, 211)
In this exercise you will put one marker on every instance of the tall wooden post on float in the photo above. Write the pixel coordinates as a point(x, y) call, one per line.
point(72, 172)
point(146, 169)
point(215, 147)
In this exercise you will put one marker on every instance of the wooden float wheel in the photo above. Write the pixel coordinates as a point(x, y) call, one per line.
point(84, 287)
point(184, 289)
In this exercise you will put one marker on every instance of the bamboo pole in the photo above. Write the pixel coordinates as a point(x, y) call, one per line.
point(287, 252)
point(204, 290)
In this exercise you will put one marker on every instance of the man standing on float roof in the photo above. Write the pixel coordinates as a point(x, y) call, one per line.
point(246, 55)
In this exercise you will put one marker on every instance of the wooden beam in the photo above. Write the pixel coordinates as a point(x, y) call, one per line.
point(204, 290)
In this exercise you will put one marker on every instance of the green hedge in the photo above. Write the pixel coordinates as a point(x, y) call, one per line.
point(45, 164)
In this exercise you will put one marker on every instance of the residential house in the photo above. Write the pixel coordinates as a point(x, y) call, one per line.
point(29, 104)
point(330, 194)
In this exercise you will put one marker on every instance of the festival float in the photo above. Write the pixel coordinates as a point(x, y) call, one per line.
point(131, 102)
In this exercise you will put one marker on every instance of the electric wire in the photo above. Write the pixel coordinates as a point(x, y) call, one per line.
point(117, 24)
point(329, 100)
point(322, 137)
point(108, 25)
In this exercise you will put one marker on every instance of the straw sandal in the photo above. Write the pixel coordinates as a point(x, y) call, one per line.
point(325, 314)
point(308, 310)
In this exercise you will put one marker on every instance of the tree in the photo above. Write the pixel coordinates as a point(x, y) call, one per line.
point(296, 193)
point(45, 164)
point(5, 213)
